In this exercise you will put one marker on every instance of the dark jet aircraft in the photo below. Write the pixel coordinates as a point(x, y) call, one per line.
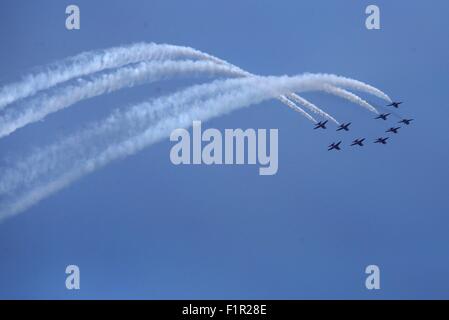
point(334, 146)
point(358, 142)
point(344, 126)
point(393, 130)
point(383, 116)
point(381, 140)
point(321, 125)
point(406, 121)
point(394, 104)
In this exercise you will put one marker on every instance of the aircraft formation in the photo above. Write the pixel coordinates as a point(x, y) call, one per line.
point(360, 141)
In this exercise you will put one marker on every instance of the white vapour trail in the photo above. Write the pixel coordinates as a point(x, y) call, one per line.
point(56, 157)
point(43, 105)
point(295, 107)
point(94, 61)
point(333, 86)
point(53, 157)
point(352, 84)
point(91, 62)
point(27, 171)
point(312, 107)
point(54, 167)
point(38, 108)
point(349, 96)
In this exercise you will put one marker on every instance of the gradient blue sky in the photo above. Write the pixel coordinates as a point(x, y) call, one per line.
point(144, 228)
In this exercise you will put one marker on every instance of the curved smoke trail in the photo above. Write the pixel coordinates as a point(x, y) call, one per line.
point(320, 82)
point(342, 93)
point(94, 61)
point(38, 108)
point(309, 105)
point(123, 133)
point(293, 106)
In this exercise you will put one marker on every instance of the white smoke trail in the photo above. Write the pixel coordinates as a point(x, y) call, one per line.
point(124, 133)
point(25, 174)
point(337, 81)
point(349, 96)
point(91, 62)
point(38, 108)
point(296, 108)
point(312, 107)
point(55, 157)
point(94, 61)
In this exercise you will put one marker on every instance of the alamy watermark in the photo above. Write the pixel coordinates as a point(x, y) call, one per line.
point(73, 21)
point(372, 282)
point(72, 282)
point(372, 22)
point(210, 147)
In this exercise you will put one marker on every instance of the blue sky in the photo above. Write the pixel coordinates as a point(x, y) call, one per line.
point(144, 228)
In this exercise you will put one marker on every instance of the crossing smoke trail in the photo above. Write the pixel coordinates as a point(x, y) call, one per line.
point(28, 170)
point(95, 61)
point(320, 81)
point(38, 108)
point(64, 97)
point(92, 62)
point(123, 133)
